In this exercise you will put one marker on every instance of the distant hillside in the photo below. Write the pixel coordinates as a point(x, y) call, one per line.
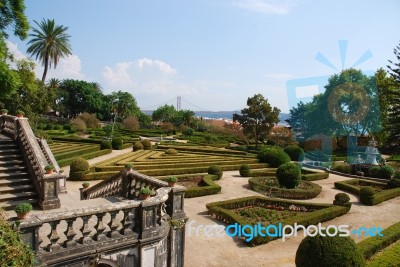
point(223, 114)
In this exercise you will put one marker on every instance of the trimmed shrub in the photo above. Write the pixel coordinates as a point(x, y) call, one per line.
point(244, 170)
point(79, 167)
point(289, 175)
point(274, 156)
point(295, 153)
point(49, 126)
point(13, 252)
point(366, 195)
point(343, 168)
point(117, 143)
point(188, 132)
point(386, 172)
point(171, 151)
point(396, 175)
point(137, 146)
point(146, 144)
point(393, 183)
point(58, 127)
point(328, 251)
point(67, 127)
point(374, 171)
point(215, 170)
point(342, 199)
point(105, 144)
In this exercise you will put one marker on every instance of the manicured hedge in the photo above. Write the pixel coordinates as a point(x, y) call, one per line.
point(76, 139)
point(372, 245)
point(95, 154)
point(223, 211)
point(352, 186)
point(388, 257)
point(314, 176)
point(77, 153)
point(258, 184)
point(203, 149)
point(209, 187)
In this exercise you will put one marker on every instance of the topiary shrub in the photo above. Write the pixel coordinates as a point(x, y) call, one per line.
point(366, 195)
point(137, 146)
point(274, 156)
point(105, 144)
point(117, 143)
point(328, 251)
point(386, 172)
point(343, 168)
point(146, 144)
point(289, 175)
point(79, 167)
point(342, 199)
point(58, 127)
point(215, 170)
point(374, 171)
point(295, 153)
point(393, 183)
point(396, 175)
point(67, 127)
point(171, 151)
point(49, 126)
point(244, 170)
point(188, 132)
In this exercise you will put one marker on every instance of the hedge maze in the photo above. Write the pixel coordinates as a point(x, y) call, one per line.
point(65, 152)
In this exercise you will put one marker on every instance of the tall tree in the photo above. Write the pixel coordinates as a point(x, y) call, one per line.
point(394, 101)
point(12, 14)
point(49, 43)
point(259, 118)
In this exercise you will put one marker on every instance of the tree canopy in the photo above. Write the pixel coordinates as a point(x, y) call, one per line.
point(259, 118)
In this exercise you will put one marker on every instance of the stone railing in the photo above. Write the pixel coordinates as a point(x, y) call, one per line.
point(46, 185)
point(86, 236)
point(109, 187)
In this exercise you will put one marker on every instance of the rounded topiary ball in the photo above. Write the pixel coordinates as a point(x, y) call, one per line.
point(386, 172)
point(244, 170)
point(117, 143)
point(79, 167)
point(171, 151)
point(146, 144)
point(105, 144)
point(215, 170)
point(328, 251)
point(375, 171)
point(342, 199)
point(289, 175)
point(367, 195)
point(274, 156)
point(295, 153)
point(137, 146)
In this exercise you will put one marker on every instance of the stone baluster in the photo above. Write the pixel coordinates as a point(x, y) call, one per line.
point(126, 223)
point(53, 237)
point(85, 230)
point(114, 224)
point(70, 234)
point(100, 227)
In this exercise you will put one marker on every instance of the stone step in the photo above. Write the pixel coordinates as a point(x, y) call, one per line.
point(9, 151)
point(11, 204)
point(12, 168)
point(11, 162)
point(14, 196)
point(16, 188)
point(15, 181)
point(13, 175)
point(8, 146)
point(4, 157)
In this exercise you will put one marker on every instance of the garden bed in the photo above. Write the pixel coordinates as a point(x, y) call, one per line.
point(272, 211)
point(270, 187)
point(381, 193)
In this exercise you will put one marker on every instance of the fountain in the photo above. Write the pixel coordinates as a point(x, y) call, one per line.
point(372, 153)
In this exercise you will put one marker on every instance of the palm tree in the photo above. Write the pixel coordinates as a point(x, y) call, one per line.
point(49, 43)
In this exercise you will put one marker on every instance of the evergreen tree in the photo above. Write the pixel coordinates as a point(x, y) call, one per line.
point(394, 101)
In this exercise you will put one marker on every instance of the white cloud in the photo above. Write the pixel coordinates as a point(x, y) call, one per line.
point(67, 68)
point(269, 7)
point(162, 66)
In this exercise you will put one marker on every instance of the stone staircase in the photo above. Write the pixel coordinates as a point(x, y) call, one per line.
point(16, 185)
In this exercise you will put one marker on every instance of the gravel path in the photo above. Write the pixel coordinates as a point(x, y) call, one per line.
point(227, 251)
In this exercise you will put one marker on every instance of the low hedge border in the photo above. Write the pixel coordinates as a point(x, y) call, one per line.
point(95, 154)
point(372, 245)
point(389, 257)
point(209, 188)
point(322, 212)
point(256, 184)
point(314, 176)
point(77, 139)
point(203, 149)
point(76, 152)
point(377, 198)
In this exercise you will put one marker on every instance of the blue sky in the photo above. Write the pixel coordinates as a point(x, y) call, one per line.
point(214, 53)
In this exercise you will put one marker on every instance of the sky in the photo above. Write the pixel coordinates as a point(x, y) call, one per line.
point(217, 53)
